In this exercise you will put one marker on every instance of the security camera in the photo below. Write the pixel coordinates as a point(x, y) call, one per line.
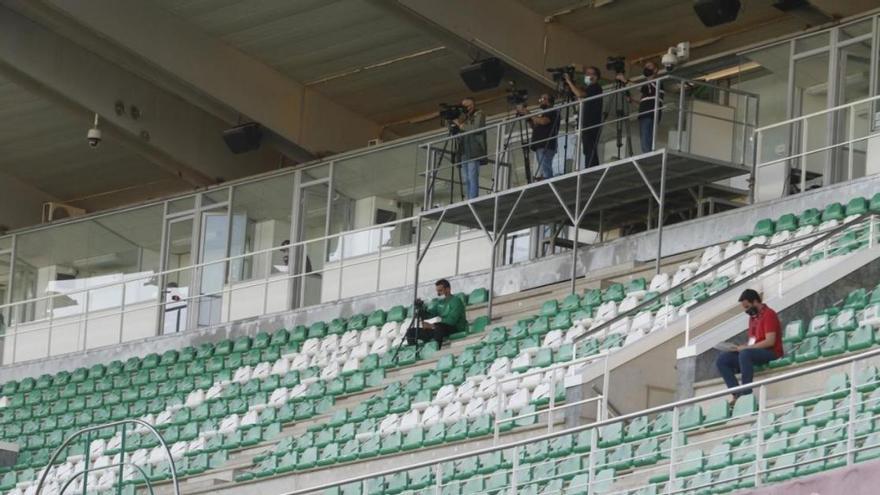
point(676, 55)
point(94, 134)
point(94, 137)
point(669, 60)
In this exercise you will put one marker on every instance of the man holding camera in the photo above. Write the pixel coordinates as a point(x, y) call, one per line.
point(545, 126)
point(472, 147)
point(450, 310)
point(590, 114)
point(651, 98)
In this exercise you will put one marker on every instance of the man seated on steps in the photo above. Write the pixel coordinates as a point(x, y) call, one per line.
point(765, 343)
point(450, 311)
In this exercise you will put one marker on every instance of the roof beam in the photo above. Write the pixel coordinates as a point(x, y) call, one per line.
point(233, 82)
point(172, 133)
point(507, 29)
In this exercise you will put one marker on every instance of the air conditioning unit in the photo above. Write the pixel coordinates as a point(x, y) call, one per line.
point(57, 211)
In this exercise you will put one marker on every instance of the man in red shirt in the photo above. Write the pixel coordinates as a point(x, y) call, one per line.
point(765, 343)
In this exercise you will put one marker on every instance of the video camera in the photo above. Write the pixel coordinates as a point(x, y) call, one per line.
point(451, 112)
point(616, 64)
point(517, 96)
point(558, 72)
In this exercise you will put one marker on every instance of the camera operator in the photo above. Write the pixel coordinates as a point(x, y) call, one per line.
point(590, 113)
point(472, 146)
point(545, 127)
point(651, 97)
point(450, 310)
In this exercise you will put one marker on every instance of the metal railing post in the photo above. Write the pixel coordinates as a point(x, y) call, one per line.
point(759, 434)
point(514, 479)
point(499, 409)
point(850, 425)
point(687, 328)
point(122, 309)
point(852, 123)
point(871, 220)
point(804, 156)
point(673, 439)
point(438, 479)
point(121, 461)
point(680, 115)
point(552, 402)
point(86, 462)
point(606, 382)
point(591, 465)
point(85, 332)
point(656, 112)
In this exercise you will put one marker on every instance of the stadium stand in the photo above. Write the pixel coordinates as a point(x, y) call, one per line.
point(338, 392)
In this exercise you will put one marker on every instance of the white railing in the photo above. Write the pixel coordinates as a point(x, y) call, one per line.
point(508, 144)
point(793, 135)
point(601, 400)
point(670, 458)
point(106, 313)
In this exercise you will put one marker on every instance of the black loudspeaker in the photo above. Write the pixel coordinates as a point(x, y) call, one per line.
point(243, 138)
point(715, 12)
point(483, 74)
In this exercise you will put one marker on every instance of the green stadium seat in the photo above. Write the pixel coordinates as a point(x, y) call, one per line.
point(478, 296)
point(765, 227)
point(833, 345)
point(857, 206)
point(691, 463)
point(571, 303)
point(808, 350)
point(786, 223)
point(833, 211)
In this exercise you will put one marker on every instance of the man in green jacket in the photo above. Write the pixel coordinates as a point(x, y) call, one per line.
point(450, 310)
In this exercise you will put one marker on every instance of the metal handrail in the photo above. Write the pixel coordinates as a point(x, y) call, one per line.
point(817, 113)
point(148, 426)
point(749, 249)
point(597, 424)
point(109, 466)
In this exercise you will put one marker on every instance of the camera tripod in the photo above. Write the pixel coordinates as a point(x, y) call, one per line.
point(564, 95)
point(621, 126)
point(450, 151)
point(520, 129)
point(416, 324)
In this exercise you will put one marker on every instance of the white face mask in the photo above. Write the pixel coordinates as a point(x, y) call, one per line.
point(588, 80)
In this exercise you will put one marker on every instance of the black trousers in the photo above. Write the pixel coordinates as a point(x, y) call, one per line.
point(438, 334)
point(590, 146)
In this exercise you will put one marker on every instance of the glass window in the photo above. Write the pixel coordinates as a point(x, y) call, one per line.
point(113, 250)
point(855, 30)
point(182, 204)
point(261, 216)
point(813, 42)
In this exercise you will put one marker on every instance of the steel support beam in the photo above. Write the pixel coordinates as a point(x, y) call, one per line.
point(172, 133)
point(214, 75)
point(507, 29)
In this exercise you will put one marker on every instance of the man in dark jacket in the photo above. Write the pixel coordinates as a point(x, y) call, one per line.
point(472, 146)
point(590, 113)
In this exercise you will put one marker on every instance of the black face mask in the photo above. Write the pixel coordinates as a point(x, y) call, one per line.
point(752, 311)
point(647, 72)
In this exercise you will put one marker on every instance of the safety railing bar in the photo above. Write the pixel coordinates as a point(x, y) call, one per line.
point(591, 170)
point(545, 411)
point(574, 103)
point(216, 262)
point(556, 366)
point(822, 236)
point(109, 466)
point(817, 113)
point(598, 424)
point(823, 149)
point(89, 429)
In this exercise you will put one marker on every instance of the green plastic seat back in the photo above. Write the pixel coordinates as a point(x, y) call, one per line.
point(857, 206)
point(764, 226)
point(810, 216)
point(478, 296)
point(786, 222)
point(833, 211)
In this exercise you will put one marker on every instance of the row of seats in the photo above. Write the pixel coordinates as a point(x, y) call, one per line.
point(714, 450)
point(205, 400)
